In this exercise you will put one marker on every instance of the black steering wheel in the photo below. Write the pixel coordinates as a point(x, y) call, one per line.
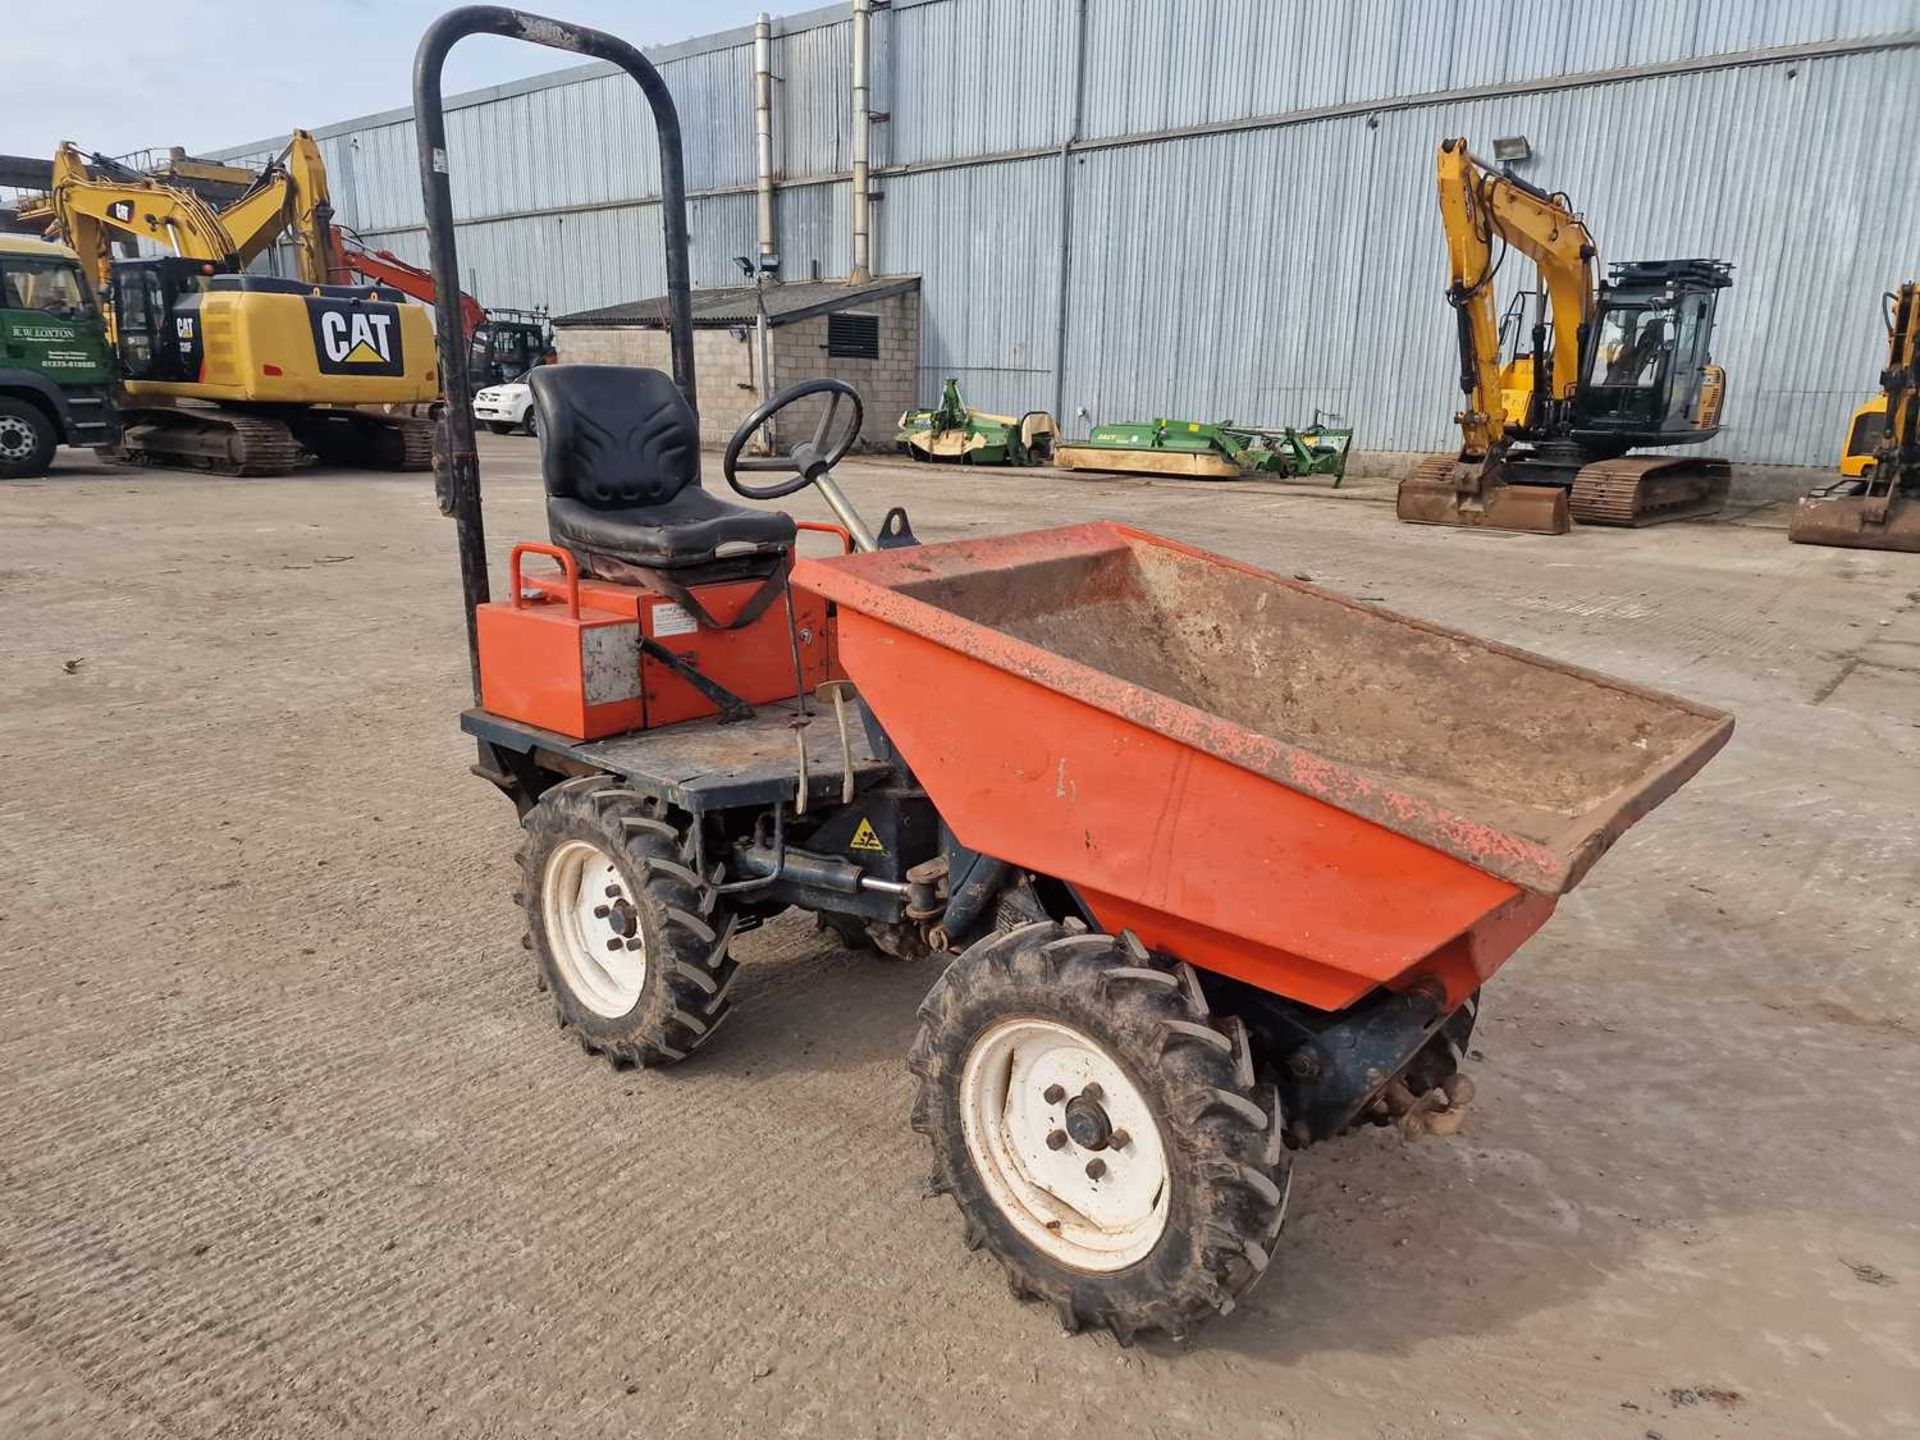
point(804, 461)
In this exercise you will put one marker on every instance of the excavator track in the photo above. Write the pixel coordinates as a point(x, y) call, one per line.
point(365, 439)
point(1647, 490)
point(416, 438)
point(225, 442)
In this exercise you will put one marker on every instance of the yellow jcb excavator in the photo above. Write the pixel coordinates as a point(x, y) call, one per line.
point(246, 374)
point(1877, 505)
point(1615, 365)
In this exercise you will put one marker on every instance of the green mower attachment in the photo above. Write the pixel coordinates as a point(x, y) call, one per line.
point(955, 434)
point(1212, 450)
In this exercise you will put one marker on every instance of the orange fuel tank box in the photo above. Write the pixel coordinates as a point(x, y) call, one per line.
point(564, 653)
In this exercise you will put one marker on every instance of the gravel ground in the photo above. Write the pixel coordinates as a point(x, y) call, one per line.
point(290, 1146)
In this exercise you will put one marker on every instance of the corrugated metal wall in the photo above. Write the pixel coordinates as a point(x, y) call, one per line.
point(1289, 259)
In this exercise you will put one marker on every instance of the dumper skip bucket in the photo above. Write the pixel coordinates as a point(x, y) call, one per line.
point(1308, 793)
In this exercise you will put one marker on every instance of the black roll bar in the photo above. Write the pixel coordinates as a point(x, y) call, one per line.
point(457, 480)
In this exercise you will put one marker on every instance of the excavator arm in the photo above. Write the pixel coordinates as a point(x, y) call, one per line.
point(1479, 205)
point(290, 197)
point(383, 267)
point(89, 212)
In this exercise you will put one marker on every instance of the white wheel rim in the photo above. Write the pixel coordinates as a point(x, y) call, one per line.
point(587, 911)
point(16, 438)
point(1098, 1224)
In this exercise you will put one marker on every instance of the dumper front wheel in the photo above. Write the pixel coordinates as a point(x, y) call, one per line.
point(1100, 1130)
point(630, 939)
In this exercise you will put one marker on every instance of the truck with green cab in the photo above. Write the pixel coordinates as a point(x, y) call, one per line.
point(56, 368)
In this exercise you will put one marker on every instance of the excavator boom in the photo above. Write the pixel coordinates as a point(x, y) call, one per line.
point(1479, 206)
point(88, 211)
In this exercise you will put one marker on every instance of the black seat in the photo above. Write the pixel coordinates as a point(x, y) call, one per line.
point(620, 454)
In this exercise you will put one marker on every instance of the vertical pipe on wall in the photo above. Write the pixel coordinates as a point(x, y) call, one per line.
point(763, 126)
point(1066, 210)
point(862, 123)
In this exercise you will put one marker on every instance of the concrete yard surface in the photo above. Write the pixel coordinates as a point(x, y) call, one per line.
point(290, 1145)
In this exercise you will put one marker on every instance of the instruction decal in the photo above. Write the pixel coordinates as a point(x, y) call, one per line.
point(672, 619)
point(865, 839)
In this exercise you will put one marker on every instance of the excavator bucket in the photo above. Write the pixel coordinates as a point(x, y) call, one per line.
point(1857, 522)
point(1444, 491)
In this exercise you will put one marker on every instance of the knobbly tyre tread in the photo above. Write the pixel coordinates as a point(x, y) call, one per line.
point(684, 998)
point(1222, 1132)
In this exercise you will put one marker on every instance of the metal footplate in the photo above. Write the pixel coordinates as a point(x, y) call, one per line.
point(1649, 489)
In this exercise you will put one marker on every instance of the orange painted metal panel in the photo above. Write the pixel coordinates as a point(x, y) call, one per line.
point(533, 668)
point(1313, 794)
point(1209, 861)
point(586, 676)
point(1518, 765)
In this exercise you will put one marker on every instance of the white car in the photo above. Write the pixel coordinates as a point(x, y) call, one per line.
point(506, 408)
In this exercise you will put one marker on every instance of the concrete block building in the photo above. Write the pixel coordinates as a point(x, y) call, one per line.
point(866, 334)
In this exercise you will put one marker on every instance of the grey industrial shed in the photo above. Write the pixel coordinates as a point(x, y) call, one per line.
point(1137, 207)
point(867, 334)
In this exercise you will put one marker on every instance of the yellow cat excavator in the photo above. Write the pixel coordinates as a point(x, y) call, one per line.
point(1614, 365)
point(1876, 506)
point(245, 374)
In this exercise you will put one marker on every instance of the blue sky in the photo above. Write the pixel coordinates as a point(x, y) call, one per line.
point(124, 75)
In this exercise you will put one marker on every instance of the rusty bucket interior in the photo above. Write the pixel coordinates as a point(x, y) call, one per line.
point(1520, 765)
point(1882, 521)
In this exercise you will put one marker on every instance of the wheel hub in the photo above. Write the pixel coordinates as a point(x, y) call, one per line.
point(593, 928)
point(16, 440)
point(1084, 1179)
point(1088, 1124)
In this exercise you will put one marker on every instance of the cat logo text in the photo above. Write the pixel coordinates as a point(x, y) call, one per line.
point(356, 337)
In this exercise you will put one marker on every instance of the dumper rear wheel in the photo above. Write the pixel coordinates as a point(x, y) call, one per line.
point(630, 938)
point(1100, 1130)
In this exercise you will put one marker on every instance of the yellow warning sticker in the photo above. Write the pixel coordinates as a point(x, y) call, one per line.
point(865, 839)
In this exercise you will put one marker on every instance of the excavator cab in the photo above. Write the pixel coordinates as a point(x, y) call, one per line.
point(1648, 375)
point(156, 325)
point(507, 345)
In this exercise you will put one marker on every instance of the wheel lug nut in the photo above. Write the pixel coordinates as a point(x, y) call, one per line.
point(1054, 1095)
point(600, 912)
point(635, 943)
point(613, 892)
point(1096, 1167)
point(1093, 1092)
point(615, 943)
point(1118, 1140)
point(1057, 1140)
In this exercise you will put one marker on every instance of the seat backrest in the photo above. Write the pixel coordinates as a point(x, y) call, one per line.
point(614, 436)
